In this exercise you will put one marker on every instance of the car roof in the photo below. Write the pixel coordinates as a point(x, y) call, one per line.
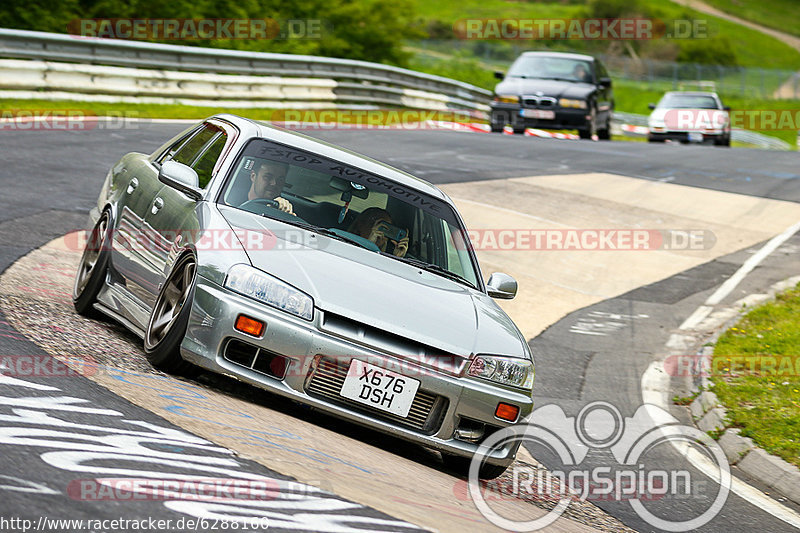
point(559, 54)
point(693, 93)
point(253, 128)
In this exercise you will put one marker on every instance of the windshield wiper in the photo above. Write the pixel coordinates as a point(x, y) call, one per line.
point(436, 269)
point(329, 233)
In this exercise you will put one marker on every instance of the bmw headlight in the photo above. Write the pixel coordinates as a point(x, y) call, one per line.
point(571, 102)
point(506, 98)
point(260, 286)
point(504, 370)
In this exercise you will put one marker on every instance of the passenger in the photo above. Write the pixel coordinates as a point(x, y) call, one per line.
point(370, 225)
point(267, 180)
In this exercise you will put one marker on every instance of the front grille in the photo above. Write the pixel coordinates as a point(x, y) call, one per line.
point(427, 410)
point(540, 102)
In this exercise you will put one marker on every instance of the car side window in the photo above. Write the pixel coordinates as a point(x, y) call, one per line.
point(601, 70)
point(166, 156)
point(187, 153)
point(204, 165)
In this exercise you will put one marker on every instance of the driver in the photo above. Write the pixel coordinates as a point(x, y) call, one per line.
point(580, 72)
point(368, 225)
point(267, 180)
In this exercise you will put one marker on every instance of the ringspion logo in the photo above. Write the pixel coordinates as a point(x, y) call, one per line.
point(633, 472)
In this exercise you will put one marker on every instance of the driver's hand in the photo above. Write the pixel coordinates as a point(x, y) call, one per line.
point(401, 247)
point(285, 205)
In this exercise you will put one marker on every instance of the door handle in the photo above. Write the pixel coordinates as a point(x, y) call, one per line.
point(158, 203)
point(132, 185)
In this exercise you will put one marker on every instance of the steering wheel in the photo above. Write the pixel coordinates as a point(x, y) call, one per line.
point(259, 202)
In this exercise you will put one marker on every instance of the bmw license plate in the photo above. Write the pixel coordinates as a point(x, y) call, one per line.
point(695, 137)
point(538, 113)
point(379, 388)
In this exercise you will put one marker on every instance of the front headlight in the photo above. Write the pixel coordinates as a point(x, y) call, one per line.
point(506, 98)
point(655, 123)
point(260, 286)
point(504, 370)
point(570, 102)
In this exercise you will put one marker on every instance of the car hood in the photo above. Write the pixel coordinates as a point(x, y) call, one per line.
point(555, 88)
point(382, 292)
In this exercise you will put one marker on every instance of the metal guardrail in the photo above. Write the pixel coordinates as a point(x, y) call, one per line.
point(357, 81)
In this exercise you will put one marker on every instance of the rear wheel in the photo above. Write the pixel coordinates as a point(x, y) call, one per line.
point(170, 316)
point(460, 465)
point(92, 268)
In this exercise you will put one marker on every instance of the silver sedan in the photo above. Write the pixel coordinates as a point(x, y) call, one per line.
point(314, 273)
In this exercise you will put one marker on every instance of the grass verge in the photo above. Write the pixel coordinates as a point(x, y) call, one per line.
point(756, 375)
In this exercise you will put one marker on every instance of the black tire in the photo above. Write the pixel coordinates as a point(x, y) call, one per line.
point(654, 140)
point(162, 340)
point(497, 122)
point(93, 267)
point(605, 133)
point(591, 128)
point(519, 130)
point(724, 141)
point(460, 466)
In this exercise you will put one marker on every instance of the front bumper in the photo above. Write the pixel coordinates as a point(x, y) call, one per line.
point(563, 119)
point(684, 136)
point(459, 400)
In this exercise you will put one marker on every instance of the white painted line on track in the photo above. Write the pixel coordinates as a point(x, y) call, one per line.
point(655, 382)
point(750, 264)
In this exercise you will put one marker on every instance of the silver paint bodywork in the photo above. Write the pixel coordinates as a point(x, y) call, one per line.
point(413, 307)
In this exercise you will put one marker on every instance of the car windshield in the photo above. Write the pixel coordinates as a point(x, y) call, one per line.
point(688, 101)
point(544, 67)
point(346, 203)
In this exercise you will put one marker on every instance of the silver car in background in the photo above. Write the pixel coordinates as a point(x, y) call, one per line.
point(298, 302)
point(690, 117)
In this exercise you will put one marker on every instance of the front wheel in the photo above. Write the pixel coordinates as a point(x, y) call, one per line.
point(604, 134)
point(92, 268)
point(590, 130)
point(497, 122)
point(170, 316)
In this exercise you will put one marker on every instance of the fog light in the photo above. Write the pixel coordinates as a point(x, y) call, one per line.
point(249, 325)
point(506, 412)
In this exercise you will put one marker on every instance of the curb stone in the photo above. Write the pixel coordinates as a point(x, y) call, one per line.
point(708, 415)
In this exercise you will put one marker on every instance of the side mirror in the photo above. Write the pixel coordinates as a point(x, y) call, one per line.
point(605, 82)
point(499, 74)
point(651, 106)
point(501, 286)
point(181, 177)
point(726, 108)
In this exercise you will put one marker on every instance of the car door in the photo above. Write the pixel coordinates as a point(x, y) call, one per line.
point(172, 219)
point(140, 187)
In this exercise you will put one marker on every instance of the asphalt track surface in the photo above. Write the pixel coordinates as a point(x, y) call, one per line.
point(49, 180)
